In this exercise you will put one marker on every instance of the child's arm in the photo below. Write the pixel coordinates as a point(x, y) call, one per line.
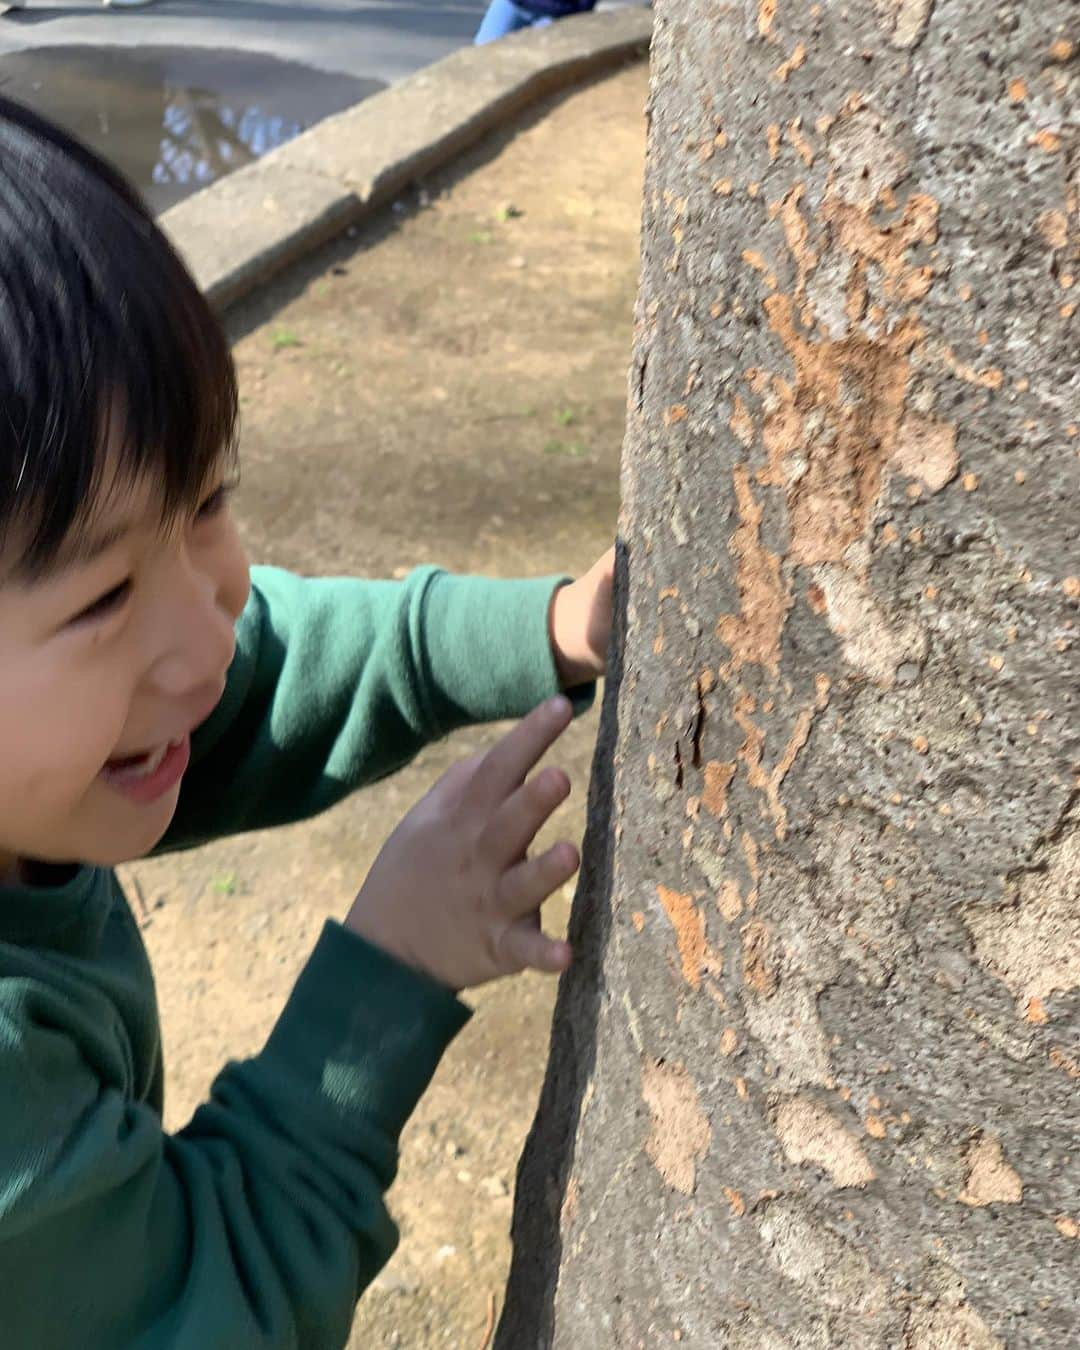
point(258, 1226)
point(338, 682)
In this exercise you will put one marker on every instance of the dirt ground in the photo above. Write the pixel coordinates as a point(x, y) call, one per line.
point(447, 386)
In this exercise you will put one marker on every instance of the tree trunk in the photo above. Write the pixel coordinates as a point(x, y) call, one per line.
point(814, 1077)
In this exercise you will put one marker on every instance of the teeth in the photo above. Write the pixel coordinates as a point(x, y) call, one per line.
point(151, 764)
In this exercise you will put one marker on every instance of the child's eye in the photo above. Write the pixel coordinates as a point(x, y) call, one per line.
point(216, 503)
point(105, 604)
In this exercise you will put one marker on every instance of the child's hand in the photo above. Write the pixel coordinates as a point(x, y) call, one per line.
point(580, 623)
point(452, 893)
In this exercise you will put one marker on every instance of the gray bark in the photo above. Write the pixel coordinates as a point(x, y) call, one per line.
point(814, 1077)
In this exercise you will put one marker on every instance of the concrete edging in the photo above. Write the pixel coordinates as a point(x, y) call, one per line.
point(237, 233)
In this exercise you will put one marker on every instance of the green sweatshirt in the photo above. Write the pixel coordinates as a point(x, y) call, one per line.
point(260, 1223)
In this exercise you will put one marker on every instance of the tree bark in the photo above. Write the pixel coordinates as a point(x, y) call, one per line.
point(814, 1077)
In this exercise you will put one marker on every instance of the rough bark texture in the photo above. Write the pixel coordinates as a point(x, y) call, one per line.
point(815, 1078)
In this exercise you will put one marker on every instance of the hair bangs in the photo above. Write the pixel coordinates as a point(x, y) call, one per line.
point(111, 360)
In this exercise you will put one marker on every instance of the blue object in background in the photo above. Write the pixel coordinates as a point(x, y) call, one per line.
point(508, 16)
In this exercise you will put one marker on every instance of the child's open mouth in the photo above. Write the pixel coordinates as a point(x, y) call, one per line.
point(148, 776)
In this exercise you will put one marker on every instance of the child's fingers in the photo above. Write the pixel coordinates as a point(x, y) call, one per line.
point(513, 827)
point(525, 947)
point(506, 765)
point(456, 779)
point(524, 888)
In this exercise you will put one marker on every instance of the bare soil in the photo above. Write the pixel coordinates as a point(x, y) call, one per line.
point(447, 386)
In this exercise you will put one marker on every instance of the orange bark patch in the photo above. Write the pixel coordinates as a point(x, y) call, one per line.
point(754, 259)
point(772, 136)
point(991, 378)
point(1017, 90)
point(718, 778)
point(676, 413)
point(1047, 140)
point(991, 1180)
point(1035, 1012)
point(766, 16)
point(1067, 1227)
point(794, 61)
point(751, 752)
point(758, 963)
point(750, 853)
point(809, 1132)
point(802, 146)
point(741, 423)
point(911, 20)
point(753, 635)
point(729, 901)
point(796, 234)
point(736, 1203)
point(926, 449)
point(885, 245)
point(689, 924)
point(679, 1132)
point(1054, 228)
point(840, 418)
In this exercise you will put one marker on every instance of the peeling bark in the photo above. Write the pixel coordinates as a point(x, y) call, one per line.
point(815, 1077)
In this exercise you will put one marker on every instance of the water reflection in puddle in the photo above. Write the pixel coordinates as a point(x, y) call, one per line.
point(175, 119)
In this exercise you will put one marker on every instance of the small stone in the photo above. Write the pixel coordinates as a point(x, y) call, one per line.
point(465, 1176)
point(444, 1254)
point(495, 1187)
point(970, 482)
point(518, 261)
point(395, 1282)
point(454, 1149)
point(1071, 587)
point(1067, 1227)
point(920, 745)
point(908, 673)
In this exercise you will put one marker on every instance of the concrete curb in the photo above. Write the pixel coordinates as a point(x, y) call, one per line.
point(239, 232)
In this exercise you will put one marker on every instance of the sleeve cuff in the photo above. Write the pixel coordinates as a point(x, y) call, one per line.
point(501, 639)
point(362, 1032)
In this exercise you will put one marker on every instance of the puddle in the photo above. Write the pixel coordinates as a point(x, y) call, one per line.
point(176, 118)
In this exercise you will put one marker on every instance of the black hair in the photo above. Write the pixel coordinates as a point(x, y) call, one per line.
point(100, 324)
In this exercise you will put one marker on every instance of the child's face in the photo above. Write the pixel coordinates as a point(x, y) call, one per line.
point(119, 652)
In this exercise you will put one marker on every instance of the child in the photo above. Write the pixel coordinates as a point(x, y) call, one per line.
point(503, 17)
point(154, 694)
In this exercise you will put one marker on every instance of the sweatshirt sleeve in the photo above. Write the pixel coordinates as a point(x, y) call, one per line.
point(254, 1228)
point(337, 682)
